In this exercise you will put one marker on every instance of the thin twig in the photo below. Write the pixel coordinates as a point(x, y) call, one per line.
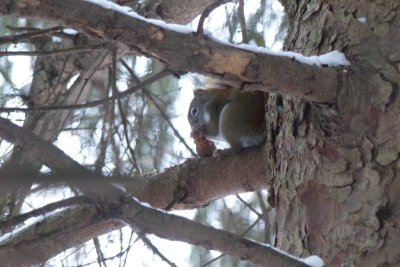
point(248, 205)
point(100, 256)
point(124, 120)
point(154, 102)
point(242, 20)
point(265, 211)
point(127, 249)
point(119, 254)
point(207, 12)
point(26, 36)
point(105, 133)
point(161, 74)
point(176, 133)
point(60, 34)
point(87, 48)
point(242, 235)
point(155, 250)
point(85, 76)
point(43, 210)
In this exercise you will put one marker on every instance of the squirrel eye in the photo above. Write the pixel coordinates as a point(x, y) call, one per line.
point(194, 111)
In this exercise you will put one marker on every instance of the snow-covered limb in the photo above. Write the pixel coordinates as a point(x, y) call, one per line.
point(174, 227)
point(332, 59)
point(197, 53)
point(129, 12)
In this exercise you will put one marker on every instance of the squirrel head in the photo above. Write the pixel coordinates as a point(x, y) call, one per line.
point(204, 113)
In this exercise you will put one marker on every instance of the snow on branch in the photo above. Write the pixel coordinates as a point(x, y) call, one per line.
point(75, 226)
point(284, 73)
point(174, 227)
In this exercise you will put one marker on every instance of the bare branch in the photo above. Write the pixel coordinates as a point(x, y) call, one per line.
point(100, 256)
point(242, 235)
point(124, 120)
point(268, 230)
point(242, 20)
point(54, 234)
point(14, 221)
point(173, 227)
point(95, 103)
point(72, 226)
point(88, 48)
point(156, 250)
point(26, 36)
point(207, 12)
point(248, 206)
point(50, 155)
point(55, 159)
point(154, 102)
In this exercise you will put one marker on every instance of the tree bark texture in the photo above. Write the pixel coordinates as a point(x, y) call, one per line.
point(181, 12)
point(336, 178)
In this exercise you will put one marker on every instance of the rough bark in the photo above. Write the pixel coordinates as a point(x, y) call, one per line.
point(181, 12)
point(336, 177)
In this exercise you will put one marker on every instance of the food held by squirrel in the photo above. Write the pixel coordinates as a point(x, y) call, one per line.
point(227, 114)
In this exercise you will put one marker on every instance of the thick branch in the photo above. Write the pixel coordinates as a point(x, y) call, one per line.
point(197, 53)
point(43, 240)
point(173, 227)
point(67, 169)
point(49, 154)
point(203, 180)
point(59, 232)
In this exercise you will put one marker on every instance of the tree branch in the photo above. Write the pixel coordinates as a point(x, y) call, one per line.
point(207, 11)
point(158, 107)
point(54, 234)
point(26, 36)
point(14, 221)
point(88, 48)
point(61, 231)
point(93, 103)
point(202, 179)
point(242, 20)
point(173, 227)
point(49, 154)
point(197, 53)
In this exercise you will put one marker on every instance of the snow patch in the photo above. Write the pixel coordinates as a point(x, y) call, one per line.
point(129, 11)
point(314, 261)
point(362, 19)
point(331, 59)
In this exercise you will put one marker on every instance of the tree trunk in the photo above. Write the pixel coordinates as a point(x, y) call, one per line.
point(336, 184)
